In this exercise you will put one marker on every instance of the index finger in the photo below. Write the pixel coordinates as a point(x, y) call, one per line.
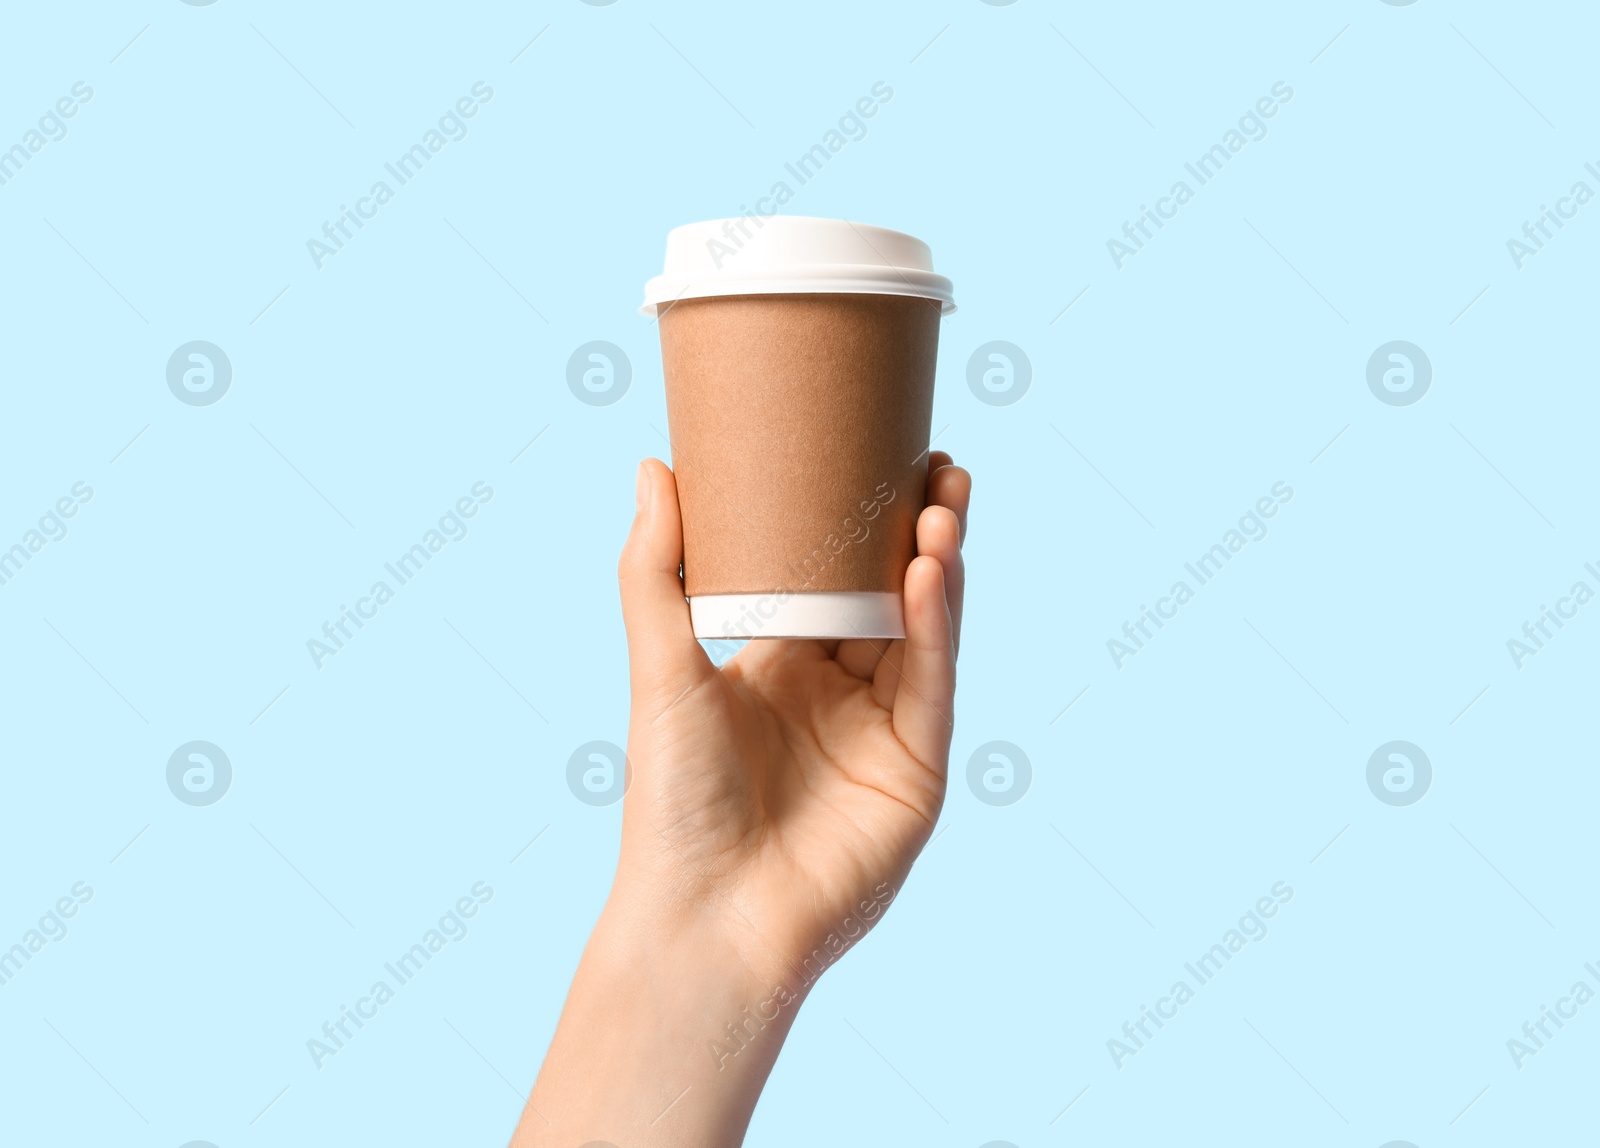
point(950, 486)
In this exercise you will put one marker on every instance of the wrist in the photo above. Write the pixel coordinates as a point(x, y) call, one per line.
point(687, 1026)
point(737, 993)
point(770, 939)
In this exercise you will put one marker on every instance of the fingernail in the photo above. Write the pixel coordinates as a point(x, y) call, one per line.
point(641, 491)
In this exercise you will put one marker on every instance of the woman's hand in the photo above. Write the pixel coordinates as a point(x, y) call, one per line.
point(775, 807)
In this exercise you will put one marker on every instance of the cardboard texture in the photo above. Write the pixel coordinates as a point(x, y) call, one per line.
point(799, 428)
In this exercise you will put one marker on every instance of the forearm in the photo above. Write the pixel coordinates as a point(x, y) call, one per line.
point(667, 1037)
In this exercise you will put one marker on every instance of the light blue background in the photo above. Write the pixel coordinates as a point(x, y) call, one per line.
point(424, 357)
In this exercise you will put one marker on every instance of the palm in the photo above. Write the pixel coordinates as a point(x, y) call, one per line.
point(807, 794)
point(801, 778)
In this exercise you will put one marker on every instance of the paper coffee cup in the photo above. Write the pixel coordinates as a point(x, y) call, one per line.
point(799, 360)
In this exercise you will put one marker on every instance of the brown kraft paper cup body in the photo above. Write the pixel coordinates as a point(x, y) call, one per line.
point(799, 429)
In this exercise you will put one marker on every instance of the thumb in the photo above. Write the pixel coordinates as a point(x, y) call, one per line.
point(663, 657)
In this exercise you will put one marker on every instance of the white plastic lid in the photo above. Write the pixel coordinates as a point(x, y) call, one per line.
point(793, 255)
